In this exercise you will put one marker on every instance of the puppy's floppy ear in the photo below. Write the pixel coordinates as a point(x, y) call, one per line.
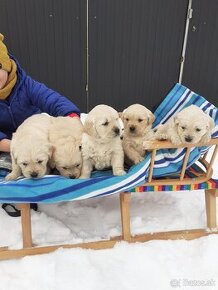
point(70, 139)
point(211, 123)
point(151, 118)
point(89, 127)
point(51, 163)
point(121, 115)
point(51, 150)
point(176, 120)
point(14, 157)
point(78, 144)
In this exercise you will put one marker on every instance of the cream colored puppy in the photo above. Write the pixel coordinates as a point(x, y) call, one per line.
point(30, 148)
point(65, 135)
point(137, 121)
point(191, 125)
point(101, 143)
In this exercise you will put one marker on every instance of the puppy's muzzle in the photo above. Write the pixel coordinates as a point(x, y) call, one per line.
point(188, 139)
point(132, 129)
point(116, 131)
point(34, 174)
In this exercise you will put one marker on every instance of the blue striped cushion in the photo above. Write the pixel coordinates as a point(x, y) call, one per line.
point(51, 189)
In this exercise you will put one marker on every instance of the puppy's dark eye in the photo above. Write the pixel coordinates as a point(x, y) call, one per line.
point(105, 123)
point(127, 119)
point(77, 165)
point(183, 127)
point(197, 130)
point(140, 120)
point(39, 162)
point(25, 163)
point(65, 168)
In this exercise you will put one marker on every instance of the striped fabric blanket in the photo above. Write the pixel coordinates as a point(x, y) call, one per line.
point(52, 188)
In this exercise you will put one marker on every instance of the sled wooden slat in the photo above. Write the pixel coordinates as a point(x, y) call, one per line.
point(126, 235)
point(185, 162)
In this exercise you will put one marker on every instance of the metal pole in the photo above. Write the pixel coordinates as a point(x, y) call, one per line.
point(87, 56)
point(182, 61)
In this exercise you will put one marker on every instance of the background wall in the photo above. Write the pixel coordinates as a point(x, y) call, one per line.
point(201, 66)
point(125, 51)
point(49, 40)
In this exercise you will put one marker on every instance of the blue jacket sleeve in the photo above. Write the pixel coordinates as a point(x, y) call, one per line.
point(3, 136)
point(47, 100)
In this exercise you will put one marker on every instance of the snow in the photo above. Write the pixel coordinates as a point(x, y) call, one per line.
point(160, 265)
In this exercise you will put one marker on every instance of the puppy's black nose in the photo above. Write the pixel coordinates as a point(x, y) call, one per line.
point(132, 128)
point(34, 174)
point(116, 130)
point(188, 139)
point(72, 176)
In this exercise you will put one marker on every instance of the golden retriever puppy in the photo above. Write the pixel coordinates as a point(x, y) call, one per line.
point(191, 125)
point(101, 143)
point(65, 135)
point(30, 148)
point(137, 121)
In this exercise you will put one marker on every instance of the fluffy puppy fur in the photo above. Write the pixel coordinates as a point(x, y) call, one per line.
point(101, 143)
point(65, 135)
point(191, 125)
point(137, 121)
point(30, 148)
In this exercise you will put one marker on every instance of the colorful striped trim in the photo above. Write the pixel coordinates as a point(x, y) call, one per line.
point(210, 184)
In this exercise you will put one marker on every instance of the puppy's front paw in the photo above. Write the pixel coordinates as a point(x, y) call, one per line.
point(175, 140)
point(206, 138)
point(11, 176)
point(83, 176)
point(138, 159)
point(119, 172)
point(148, 144)
point(161, 136)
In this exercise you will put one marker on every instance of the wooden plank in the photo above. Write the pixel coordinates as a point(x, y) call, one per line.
point(210, 201)
point(3, 248)
point(26, 224)
point(99, 245)
point(151, 167)
point(175, 181)
point(212, 161)
point(185, 162)
point(173, 235)
point(149, 145)
point(125, 215)
point(216, 192)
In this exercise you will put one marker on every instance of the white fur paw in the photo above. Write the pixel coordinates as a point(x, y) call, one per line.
point(138, 159)
point(161, 136)
point(205, 139)
point(148, 144)
point(119, 172)
point(11, 176)
point(84, 176)
point(175, 140)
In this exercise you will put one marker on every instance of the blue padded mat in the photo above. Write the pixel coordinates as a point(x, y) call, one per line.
point(52, 188)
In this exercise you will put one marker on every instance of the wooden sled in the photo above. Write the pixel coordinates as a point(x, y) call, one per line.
point(200, 178)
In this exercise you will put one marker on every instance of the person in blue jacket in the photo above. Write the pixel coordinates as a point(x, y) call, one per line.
point(22, 97)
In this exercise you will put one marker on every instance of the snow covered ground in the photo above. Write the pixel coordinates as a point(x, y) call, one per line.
point(155, 265)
